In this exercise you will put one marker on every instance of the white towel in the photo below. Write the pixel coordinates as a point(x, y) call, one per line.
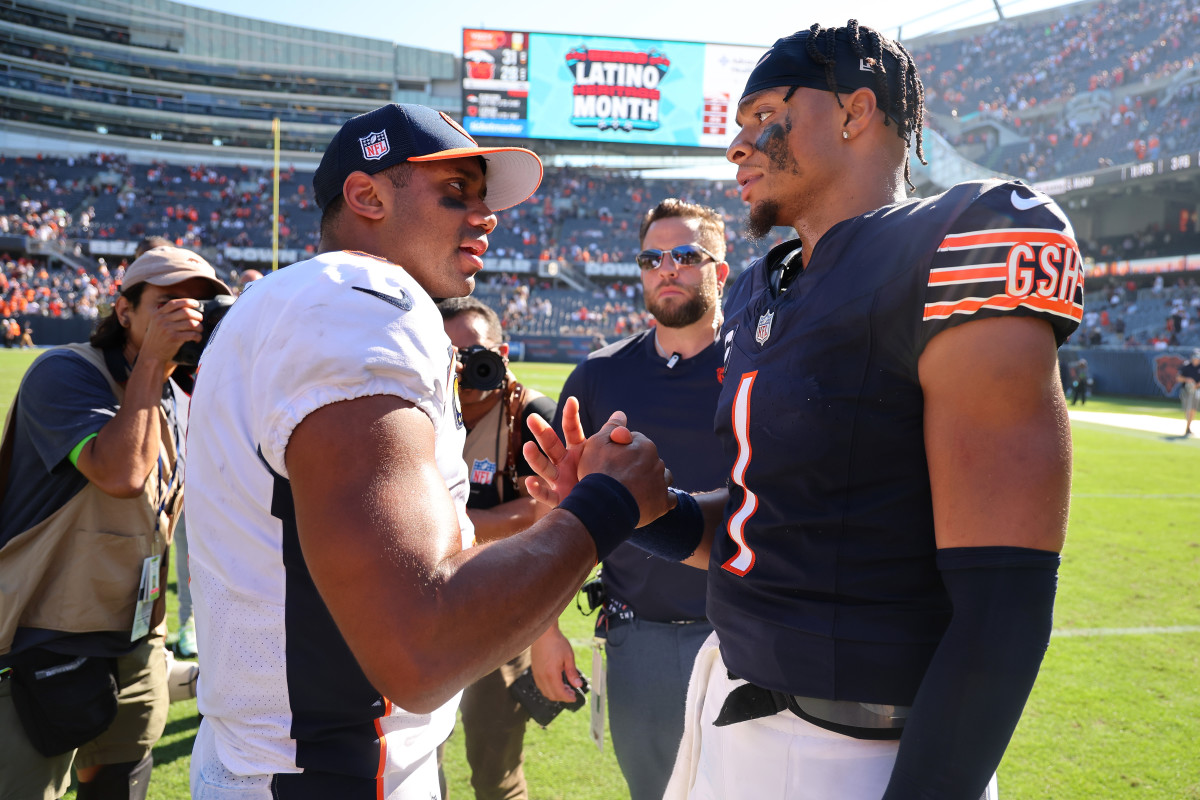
point(683, 776)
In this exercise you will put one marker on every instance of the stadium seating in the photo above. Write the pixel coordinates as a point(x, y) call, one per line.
point(1040, 96)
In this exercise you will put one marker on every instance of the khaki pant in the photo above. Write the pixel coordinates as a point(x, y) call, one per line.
point(141, 718)
point(494, 733)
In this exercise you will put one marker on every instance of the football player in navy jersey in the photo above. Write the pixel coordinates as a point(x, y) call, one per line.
point(883, 564)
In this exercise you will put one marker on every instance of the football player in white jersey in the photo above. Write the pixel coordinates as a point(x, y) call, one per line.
point(340, 607)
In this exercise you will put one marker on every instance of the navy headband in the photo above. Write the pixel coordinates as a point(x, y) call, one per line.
point(787, 63)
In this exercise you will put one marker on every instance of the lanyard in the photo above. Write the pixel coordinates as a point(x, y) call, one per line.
point(165, 492)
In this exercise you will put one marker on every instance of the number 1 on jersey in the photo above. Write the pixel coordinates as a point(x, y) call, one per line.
point(743, 560)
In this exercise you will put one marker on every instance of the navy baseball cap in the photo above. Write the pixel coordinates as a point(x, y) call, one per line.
point(787, 63)
point(399, 132)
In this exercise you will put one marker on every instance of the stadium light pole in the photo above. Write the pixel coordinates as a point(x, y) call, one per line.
point(275, 192)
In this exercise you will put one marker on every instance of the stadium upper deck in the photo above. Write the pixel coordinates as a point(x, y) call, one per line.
point(158, 71)
point(1095, 102)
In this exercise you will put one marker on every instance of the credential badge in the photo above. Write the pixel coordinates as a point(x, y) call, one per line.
point(374, 145)
point(763, 331)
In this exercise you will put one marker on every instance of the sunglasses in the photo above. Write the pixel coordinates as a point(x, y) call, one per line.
point(686, 255)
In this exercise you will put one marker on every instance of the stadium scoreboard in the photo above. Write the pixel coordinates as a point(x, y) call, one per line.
point(1182, 164)
point(602, 89)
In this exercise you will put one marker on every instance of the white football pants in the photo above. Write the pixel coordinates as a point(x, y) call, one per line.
point(780, 756)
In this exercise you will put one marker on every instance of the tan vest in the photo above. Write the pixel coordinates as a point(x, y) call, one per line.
point(79, 570)
point(498, 434)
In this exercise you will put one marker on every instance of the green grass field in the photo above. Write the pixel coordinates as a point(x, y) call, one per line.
point(1116, 711)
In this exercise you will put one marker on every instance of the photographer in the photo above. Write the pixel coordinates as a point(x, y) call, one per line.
point(495, 408)
point(92, 473)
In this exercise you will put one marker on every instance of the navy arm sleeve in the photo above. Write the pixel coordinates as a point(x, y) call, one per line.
point(975, 688)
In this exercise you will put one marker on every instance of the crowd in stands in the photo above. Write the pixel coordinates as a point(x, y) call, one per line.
point(1135, 55)
point(538, 309)
point(1136, 59)
point(577, 216)
point(105, 196)
point(30, 287)
point(1145, 313)
point(1018, 64)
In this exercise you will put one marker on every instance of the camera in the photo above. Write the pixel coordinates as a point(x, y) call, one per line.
point(482, 369)
point(214, 311)
point(593, 593)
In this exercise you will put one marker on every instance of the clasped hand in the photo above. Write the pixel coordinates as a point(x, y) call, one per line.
point(614, 450)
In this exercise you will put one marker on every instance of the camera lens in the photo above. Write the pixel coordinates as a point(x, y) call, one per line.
point(214, 311)
point(482, 369)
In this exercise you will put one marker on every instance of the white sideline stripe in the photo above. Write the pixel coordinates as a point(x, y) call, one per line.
point(1141, 496)
point(1151, 631)
point(1067, 632)
point(1139, 422)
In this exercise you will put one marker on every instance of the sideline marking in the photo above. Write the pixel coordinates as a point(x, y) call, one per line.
point(584, 644)
point(1149, 631)
point(1140, 496)
point(1168, 426)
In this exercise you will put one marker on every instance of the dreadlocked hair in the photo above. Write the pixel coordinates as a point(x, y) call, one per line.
point(869, 46)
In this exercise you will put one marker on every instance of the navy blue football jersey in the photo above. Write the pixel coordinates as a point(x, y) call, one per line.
point(674, 406)
point(823, 582)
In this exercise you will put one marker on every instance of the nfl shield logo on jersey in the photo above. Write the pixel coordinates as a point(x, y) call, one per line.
point(374, 145)
point(483, 471)
point(763, 331)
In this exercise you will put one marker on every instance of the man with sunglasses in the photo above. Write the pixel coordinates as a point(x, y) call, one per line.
point(666, 380)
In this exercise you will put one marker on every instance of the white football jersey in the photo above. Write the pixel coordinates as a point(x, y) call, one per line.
point(279, 685)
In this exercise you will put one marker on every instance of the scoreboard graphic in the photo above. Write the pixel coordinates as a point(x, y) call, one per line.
point(597, 88)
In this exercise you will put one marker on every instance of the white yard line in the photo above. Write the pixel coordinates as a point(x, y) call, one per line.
point(1137, 422)
point(584, 644)
point(1147, 631)
point(1128, 496)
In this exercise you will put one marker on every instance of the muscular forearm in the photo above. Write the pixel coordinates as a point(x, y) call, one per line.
point(126, 449)
point(712, 504)
point(381, 538)
point(480, 606)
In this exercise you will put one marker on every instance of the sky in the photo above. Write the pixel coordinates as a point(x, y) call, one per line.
point(438, 27)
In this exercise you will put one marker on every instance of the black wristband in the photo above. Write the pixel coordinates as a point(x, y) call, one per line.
point(676, 534)
point(606, 508)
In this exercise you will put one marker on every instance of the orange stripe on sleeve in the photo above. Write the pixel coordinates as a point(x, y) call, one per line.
point(988, 272)
point(1004, 302)
point(1005, 236)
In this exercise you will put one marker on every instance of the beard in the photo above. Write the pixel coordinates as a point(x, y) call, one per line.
point(680, 315)
point(760, 219)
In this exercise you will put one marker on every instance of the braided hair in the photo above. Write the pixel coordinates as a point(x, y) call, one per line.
point(869, 46)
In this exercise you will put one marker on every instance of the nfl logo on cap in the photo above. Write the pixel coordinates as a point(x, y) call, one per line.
point(374, 145)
